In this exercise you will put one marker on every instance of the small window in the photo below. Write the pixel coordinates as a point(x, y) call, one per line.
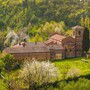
point(79, 33)
point(70, 50)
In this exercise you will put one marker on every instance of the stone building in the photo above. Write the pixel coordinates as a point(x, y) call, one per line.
point(56, 47)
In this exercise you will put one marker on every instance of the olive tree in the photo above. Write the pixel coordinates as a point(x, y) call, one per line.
point(36, 73)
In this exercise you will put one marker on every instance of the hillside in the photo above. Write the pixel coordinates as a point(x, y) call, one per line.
point(20, 13)
point(40, 18)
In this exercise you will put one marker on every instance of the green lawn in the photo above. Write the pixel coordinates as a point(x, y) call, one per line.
point(62, 65)
point(74, 62)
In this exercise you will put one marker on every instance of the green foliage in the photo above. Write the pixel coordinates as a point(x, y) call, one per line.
point(8, 60)
point(66, 65)
point(86, 40)
point(51, 27)
point(65, 84)
point(69, 33)
point(1, 64)
point(42, 16)
point(2, 38)
point(80, 84)
point(37, 38)
point(85, 22)
point(36, 73)
point(3, 86)
point(20, 13)
point(73, 72)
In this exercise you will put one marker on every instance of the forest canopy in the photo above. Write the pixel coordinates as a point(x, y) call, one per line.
point(39, 18)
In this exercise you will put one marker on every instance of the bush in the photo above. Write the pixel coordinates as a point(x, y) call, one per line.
point(8, 60)
point(37, 73)
point(73, 72)
point(80, 84)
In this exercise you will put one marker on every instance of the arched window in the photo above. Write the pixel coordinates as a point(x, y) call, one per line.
point(70, 50)
point(79, 33)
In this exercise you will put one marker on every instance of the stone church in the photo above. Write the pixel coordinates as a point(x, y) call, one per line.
point(56, 47)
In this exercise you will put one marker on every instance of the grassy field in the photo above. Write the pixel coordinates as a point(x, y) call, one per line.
point(63, 66)
point(66, 64)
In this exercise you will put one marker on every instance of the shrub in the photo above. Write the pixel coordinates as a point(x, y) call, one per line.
point(8, 60)
point(37, 73)
point(73, 72)
point(80, 84)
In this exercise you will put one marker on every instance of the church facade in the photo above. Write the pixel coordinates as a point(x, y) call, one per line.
point(56, 47)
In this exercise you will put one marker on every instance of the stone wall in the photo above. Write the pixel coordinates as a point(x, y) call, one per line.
point(30, 56)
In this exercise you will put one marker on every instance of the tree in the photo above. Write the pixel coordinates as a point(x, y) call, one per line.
point(1, 66)
point(37, 38)
point(85, 42)
point(1, 40)
point(11, 39)
point(68, 33)
point(8, 60)
point(37, 73)
point(85, 22)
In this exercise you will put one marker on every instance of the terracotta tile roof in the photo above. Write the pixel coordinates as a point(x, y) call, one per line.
point(48, 41)
point(57, 37)
point(29, 47)
point(77, 27)
point(39, 44)
point(56, 47)
point(26, 50)
point(33, 47)
point(30, 44)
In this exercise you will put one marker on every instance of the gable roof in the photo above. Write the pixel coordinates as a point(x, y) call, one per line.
point(32, 47)
point(28, 48)
point(57, 37)
point(69, 40)
point(77, 27)
point(56, 47)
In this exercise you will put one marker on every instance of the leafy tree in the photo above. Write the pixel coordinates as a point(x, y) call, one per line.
point(18, 14)
point(37, 38)
point(68, 33)
point(37, 73)
point(1, 66)
point(8, 60)
point(85, 22)
point(52, 27)
point(11, 39)
point(2, 38)
point(48, 10)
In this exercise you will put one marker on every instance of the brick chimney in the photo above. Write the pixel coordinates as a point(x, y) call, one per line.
point(23, 44)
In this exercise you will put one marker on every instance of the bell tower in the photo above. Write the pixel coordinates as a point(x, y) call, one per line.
point(78, 35)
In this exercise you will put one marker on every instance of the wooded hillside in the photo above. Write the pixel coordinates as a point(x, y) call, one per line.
point(19, 13)
point(40, 18)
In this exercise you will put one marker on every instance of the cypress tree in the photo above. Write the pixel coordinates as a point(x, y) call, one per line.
point(85, 42)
